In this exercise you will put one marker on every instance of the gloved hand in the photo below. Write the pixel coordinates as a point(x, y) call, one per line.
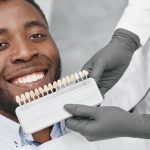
point(99, 123)
point(108, 65)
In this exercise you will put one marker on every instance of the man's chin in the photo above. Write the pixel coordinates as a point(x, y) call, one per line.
point(7, 104)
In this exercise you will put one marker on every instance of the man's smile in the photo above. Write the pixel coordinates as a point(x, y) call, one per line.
point(30, 78)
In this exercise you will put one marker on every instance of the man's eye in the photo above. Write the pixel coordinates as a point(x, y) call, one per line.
point(3, 45)
point(37, 37)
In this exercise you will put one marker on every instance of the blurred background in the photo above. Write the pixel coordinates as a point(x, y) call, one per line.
point(81, 27)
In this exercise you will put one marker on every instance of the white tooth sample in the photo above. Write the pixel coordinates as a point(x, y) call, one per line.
point(18, 100)
point(27, 95)
point(59, 83)
point(23, 98)
point(55, 85)
point(64, 81)
point(81, 75)
point(50, 87)
point(41, 91)
point(86, 73)
point(37, 93)
point(72, 77)
point(68, 79)
point(46, 89)
point(32, 94)
point(77, 76)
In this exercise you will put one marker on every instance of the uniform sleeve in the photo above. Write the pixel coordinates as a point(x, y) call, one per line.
point(136, 18)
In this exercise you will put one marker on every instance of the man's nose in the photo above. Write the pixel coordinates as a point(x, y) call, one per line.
point(23, 52)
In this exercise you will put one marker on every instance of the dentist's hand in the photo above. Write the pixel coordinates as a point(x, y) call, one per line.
point(99, 123)
point(108, 65)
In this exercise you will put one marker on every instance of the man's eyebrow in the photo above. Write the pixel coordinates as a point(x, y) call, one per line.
point(34, 23)
point(3, 30)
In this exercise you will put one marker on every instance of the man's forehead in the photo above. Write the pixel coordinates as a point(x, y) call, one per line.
point(23, 13)
point(13, 6)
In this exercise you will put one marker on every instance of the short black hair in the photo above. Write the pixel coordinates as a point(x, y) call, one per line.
point(33, 3)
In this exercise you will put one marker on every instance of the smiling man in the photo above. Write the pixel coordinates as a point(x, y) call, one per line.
point(29, 59)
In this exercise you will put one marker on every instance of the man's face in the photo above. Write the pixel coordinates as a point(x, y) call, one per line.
point(28, 55)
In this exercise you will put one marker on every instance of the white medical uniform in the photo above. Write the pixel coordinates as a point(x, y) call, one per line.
point(134, 83)
point(136, 18)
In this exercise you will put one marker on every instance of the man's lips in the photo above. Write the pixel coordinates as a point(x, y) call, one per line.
point(29, 77)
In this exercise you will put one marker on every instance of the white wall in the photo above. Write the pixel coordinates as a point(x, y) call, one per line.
point(46, 6)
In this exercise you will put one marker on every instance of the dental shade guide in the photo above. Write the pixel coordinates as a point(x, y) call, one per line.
point(44, 106)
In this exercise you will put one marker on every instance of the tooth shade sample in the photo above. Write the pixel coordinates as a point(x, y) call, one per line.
point(18, 100)
point(50, 87)
point(76, 76)
point(46, 89)
point(81, 75)
point(68, 79)
point(23, 98)
point(55, 85)
point(64, 81)
point(37, 93)
point(41, 90)
point(32, 94)
point(85, 73)
point(72, 77)
point(59, 83)
point(27, 95)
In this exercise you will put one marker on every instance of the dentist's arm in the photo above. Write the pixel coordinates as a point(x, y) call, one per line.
point(108, 64)
point(99, 123)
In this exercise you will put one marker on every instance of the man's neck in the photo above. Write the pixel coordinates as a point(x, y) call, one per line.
point(43, 135)
point(40, 136)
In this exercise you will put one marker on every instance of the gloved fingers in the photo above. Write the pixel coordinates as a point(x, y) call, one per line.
point(88, 66)
point(89, 138)
point(76, 125)
point(97, 71)
point(81, 110)
point(95, 68)
point(110, 78)
point(103, 90)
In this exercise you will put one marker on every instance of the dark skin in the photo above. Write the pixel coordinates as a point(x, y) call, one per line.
point(26, 47)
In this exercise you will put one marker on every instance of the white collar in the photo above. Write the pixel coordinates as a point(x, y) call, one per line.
point(9, 131)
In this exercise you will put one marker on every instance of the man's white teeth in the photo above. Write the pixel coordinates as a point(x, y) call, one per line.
point(29, 78)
